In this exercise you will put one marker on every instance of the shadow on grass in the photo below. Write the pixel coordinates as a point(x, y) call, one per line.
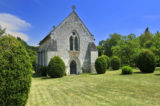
point(138, 73)
point(142, 73)
point(157, 74)
point(45, 78)
point(35, 75)
point(125, 74)
point(93, 74)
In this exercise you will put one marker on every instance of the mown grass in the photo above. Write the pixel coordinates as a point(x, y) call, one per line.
point(107, 89)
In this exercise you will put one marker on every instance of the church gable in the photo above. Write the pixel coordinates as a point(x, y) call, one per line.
point(71, 20)
point(73, 42)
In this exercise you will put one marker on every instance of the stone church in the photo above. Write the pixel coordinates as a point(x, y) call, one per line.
point(73, 42)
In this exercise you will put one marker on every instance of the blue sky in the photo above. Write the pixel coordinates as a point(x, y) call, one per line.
point(34, 19)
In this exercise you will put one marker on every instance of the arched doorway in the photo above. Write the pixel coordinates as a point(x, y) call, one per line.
point(73, 67)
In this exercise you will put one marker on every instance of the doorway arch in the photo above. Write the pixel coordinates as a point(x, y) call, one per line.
point(73, 67)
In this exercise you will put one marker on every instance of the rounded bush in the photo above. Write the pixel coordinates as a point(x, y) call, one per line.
point(107, 60)
point(146, 61)
point(115, 63)
point(100, 65)
point(56, 67)
point(127, 70)
point(15, 72)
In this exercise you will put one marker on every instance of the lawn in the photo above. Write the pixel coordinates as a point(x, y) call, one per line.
point(111, 88)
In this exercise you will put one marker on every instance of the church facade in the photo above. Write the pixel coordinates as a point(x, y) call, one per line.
point(73, 42)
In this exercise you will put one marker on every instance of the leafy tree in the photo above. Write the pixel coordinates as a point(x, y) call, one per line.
point(147, 36)
point(127, 50)
point(32, 51)
point(100, 50)
point(115, 63)
point(148, 44)
point(131, 36)
point(155, 48)
point(112, 41)
point(102, 42)
point(15, 72)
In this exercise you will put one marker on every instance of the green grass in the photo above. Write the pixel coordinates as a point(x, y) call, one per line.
point(111, 88)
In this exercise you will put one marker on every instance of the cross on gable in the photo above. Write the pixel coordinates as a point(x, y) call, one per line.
point(73, 7)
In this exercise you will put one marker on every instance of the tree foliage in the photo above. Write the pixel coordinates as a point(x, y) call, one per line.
point(144, 38)
point(115, 63)
point(32, 51)
point(15, 72)
point(100, 50)
point(127, 48)
point(155, 48)
point(112, 41)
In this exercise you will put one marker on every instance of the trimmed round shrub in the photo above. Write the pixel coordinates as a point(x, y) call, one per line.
point(127, 70)
point(15, 72)
point(115, 63)
point(107, 60)
point(100, 65)
point(146, 61)
point(56, 67)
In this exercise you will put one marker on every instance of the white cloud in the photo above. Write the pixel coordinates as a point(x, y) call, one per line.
point(14, 25)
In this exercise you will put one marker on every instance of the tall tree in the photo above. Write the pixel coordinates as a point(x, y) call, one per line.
point(112, 41)
point(100, 50)
point(156, 47)
point(32, 51)
point(127, 50)
point(146, 38)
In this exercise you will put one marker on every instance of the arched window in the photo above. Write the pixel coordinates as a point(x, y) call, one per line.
point(71, 43)
point(76, 43)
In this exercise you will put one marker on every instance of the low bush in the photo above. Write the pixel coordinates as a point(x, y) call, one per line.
point(146, 61)
point(107, 60)
point(15, 72)
point(127, 70)
point(115, 63)
point(43, 70)
point(56, 67)
point(100, 65)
